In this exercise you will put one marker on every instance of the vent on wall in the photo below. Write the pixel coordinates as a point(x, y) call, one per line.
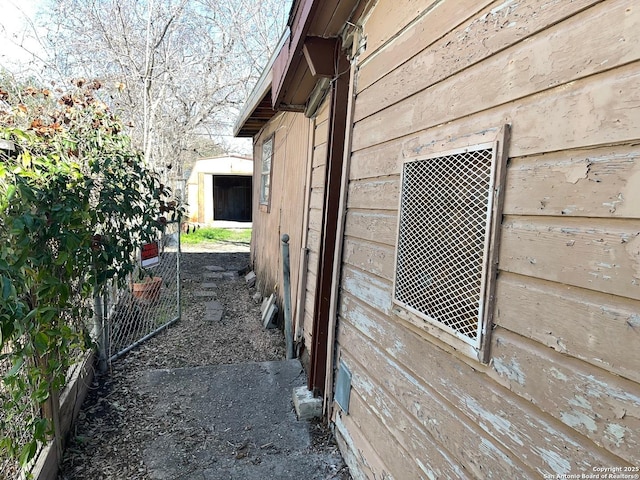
point(343, 387)
point(443, 239)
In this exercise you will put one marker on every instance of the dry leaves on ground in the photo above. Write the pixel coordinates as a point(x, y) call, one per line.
point(116, 423)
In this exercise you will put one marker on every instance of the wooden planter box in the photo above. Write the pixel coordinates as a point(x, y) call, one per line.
point(65, 408)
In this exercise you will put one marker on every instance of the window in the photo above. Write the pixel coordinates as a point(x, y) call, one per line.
point(265, 172)
point(446, 232)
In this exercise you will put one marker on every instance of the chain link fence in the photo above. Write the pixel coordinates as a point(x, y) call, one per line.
point(127, 316)
point(16, 413)
point(146, 305)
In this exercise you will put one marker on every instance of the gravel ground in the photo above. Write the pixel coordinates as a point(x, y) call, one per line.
point(116, 423)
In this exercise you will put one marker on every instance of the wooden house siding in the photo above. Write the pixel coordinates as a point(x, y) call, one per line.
point(561, 393)
point(316, 211)
point(286, 208)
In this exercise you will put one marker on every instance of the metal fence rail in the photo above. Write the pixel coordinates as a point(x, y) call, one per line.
point(147, 305)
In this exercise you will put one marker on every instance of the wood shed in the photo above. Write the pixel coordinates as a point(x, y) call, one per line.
point(220, 189)
point(461, 179)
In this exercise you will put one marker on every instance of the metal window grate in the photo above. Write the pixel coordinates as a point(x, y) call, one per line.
point(443, 236)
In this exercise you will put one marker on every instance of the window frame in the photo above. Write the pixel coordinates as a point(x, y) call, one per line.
point(478, 348)
point(264, 197)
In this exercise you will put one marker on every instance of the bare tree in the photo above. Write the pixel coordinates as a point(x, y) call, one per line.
point(178, 69)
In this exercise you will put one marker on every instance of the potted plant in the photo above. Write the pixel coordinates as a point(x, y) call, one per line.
point(147, 289)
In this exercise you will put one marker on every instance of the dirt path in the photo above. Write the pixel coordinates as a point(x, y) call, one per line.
point(116, 422)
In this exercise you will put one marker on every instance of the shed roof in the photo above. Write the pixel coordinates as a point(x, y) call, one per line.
point(224, 165)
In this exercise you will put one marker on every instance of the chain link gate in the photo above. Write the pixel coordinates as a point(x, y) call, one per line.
point(149, 305)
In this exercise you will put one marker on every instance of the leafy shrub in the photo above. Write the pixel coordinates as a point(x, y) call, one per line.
point(76, 201)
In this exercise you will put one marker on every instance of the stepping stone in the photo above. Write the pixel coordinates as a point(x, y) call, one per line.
point(214, 268)
point(209, 285)
point(204, 293)
point(214, 311)
point(229, 274)
point(215, 275)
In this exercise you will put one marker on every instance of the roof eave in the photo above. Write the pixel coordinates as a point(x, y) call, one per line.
point(258, 94)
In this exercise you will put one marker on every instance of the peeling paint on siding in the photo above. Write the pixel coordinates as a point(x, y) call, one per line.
point(634, 320)
point(503, 6)
point(367, 386)
point(574, 172)
point(558, 374)
point(397, 347)
point(368, 289)
point(363, 322)
point(428, 472)
point(487, 446)
point(633, 249)
point(500, 424)
point(614, 393)
point(557, 464)
point(616, 433)
point(353, 453)
point(511, 370)
point(580, 401)
point(576, 419)
point(613, 205)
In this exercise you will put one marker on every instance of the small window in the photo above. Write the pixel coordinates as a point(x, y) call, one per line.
point(446, 230)
point(265, 172)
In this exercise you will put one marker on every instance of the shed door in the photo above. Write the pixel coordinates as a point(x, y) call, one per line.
point(232, 198)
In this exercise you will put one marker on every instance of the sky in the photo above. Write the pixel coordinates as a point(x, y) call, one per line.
point(12, 28)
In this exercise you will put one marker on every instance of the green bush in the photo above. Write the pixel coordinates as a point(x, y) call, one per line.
point(76, 201)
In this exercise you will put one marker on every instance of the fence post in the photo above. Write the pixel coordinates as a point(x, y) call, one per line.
point(101, 336)
point(178, 255)
point(286, 280)
point(50, 409)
